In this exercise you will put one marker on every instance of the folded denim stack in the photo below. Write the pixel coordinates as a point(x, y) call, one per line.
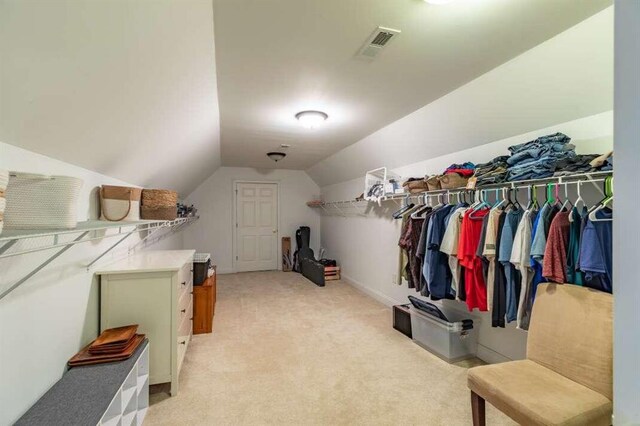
point(537, 159)
point(494, 171)
point(577, 164)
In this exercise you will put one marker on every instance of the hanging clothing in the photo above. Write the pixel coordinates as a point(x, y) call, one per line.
point(539, 243)
point(403, 258)
point(421, 251)
point(450, 246)
point(574, 274)
point(555, 254)
point(412, 240)
point(489, 252)
point(499, 290)
point(480, 249)
point(474, 280)
point(521, 260)
point(438, 274)
point(513, 277)
point(596, 251)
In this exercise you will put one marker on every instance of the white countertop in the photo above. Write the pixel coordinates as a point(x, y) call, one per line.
point(149, 261)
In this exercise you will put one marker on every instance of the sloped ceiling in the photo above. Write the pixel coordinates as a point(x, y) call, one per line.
point(125, 88)
point(569, 76)
point(278, 57)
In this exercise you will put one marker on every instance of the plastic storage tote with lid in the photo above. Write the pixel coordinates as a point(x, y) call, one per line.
point(449, 339)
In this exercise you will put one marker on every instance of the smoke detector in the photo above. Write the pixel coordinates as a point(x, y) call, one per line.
point(379, 39)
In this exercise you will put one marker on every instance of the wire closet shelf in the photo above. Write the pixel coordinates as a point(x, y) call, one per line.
point(360, 207)
point(21, 242)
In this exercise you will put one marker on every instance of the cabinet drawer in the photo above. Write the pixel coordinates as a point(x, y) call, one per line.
point(185, 276)
point(185, 290)
point(185, 307)
point(184, 330)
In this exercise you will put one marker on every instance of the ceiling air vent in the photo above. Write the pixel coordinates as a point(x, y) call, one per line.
point(377, 41)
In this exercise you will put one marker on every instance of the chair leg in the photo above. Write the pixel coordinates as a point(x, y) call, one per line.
point(477, 410)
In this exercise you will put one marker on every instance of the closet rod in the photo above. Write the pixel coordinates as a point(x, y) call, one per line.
point(538, 183)
point(580, 178)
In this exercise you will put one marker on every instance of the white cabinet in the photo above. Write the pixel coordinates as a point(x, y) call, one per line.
point(153, 289)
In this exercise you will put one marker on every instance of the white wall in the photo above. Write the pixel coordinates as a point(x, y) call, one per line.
point(626, 291)
point(367, 247)
point(52, 315)
point(214, 200)
point(567, 77)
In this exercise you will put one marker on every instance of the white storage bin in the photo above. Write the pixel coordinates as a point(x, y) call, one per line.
point(448, 340)
point(41, 202)
point(380, 179)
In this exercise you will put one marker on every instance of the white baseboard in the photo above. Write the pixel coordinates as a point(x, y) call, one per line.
point(490, 356)
point(380, 297)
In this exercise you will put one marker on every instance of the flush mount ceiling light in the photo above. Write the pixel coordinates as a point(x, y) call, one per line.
point(311, 119)
point(276, 156)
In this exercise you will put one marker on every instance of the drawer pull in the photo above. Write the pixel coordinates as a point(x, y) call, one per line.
point(183, 311)
point(184, 283)
point(184, 342)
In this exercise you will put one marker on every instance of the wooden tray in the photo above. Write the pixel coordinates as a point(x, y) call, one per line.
point(115, 336)
point(84, 357)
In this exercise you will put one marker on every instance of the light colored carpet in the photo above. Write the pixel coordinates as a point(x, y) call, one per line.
point(286, 352)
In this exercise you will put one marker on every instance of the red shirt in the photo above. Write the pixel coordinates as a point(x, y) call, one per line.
point(470, 233)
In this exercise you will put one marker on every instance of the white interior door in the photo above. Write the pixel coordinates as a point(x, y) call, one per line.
point(256, 226)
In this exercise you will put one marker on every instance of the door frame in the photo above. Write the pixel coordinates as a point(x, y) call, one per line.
point(234, 190)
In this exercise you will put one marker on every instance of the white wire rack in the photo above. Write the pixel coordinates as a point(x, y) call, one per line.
point(346, 208)
point(20, 242)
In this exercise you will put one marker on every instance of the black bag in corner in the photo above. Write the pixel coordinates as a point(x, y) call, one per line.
point(303, 251)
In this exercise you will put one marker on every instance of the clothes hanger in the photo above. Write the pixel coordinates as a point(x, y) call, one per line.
point(533, 198)
point(516, 203)
point(567, 205)
point(509, 204)
point(501, 202)
point(407, 206)
point(608, 191)
point(558, 202)
point(422, 210)
point(580, 199)
point(550, 199)
point(482, 205)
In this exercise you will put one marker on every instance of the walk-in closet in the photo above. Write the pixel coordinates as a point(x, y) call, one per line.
point(303, 212)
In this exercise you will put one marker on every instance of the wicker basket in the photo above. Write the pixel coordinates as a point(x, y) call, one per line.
point(159, 204)
point(453, 181)
point(119, 203)
point(41, 202)
point(433, 182)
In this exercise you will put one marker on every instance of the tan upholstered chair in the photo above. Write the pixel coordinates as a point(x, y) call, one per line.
point(567, 376)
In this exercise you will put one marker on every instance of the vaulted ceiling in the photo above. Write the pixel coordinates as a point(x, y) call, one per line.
point(278, 57)
point(160, 93)
point(126, 88)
